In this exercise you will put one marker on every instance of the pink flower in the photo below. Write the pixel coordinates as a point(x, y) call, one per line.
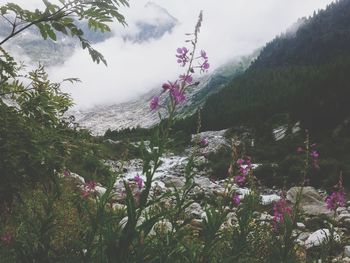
point(300, 150)
point(178, 95)
point(280, 210)
point(240, 180)
point(204, 55)
point(170, 85)
point(204, 142)
point(335, 200)
point(139, 181)
point(88, 189)
point(205, 66)
point(7, 239)
point(182, 57)
point(66, 173)
point(236, 200)
point(315, 154)
point(240, 162)
point(154, 103)
point(186, 78)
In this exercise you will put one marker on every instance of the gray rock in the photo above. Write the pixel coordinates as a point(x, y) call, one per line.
point(343, 216)
point(311, 201)
point(303, 236)
point(347, 251)
point(345, 260)
point(194, 210)
point(301, 225)
point(174, 181)
point(161, 227)
point(319, 237)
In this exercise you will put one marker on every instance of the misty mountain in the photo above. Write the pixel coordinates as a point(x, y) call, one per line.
point(30, 47)
point(137, 113)
point(161, 23)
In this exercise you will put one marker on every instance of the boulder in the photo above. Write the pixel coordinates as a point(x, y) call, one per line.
point(174, 181)
point(320, 237)
point(161, 228)
point(310, 201)
point(347, 251)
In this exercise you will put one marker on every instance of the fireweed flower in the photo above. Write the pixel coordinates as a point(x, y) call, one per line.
point(314, 156)
point(154, 103)
point(170, 86)
point(186, 78)
point(139, 181)
point(240, 180)
point(244, 167)
point(205, 66)
point(300, 150)
point(280, 210)
point(7, 239)
point(236, 200)
point(204, 142)
point(182, 57)
point(240, 162)
point(335, 200)
point(204, 55)
point(88, 189)
point(178, 95)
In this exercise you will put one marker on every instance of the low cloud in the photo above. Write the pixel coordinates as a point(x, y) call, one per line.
point(230, 28)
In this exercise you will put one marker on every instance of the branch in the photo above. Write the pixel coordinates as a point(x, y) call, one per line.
point(44, 18)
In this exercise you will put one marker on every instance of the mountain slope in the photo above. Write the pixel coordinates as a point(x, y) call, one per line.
point(136, 113)
point(304, 75)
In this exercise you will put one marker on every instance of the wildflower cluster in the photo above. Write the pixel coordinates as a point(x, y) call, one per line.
point(337, 198)
point(204, 142)
point(236, 200)
point(88, 189)
point(280, 210)
point(185, 57)
point(314, 155)
point(139, 181)
point(244, 168)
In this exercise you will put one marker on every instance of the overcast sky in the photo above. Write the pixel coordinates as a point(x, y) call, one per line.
point(230, 28)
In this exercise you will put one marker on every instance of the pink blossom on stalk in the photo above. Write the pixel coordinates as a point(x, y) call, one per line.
point(170, 86)
point(88, 189)
point(66, 173)
point(240, 180)
point(244, 171)
point(154, 103)
point(315, 154)
point(139, 181)
point(236, 200)
point(335, 200)
point(7, 239)
point(205, 66)
point(204, 55)
point(300, 150)
point(178, 95)
point(204, 142)
point(280, 210)
point(186, 78)
point(240, 162)
point(182, 57)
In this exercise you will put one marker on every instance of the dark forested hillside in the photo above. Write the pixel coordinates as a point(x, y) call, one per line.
point(304, 74)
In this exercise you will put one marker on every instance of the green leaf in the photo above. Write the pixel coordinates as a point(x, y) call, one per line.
point(42, 30)
point(59, 27)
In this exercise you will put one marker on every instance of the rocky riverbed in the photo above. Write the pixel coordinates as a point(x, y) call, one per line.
point(312, 229)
